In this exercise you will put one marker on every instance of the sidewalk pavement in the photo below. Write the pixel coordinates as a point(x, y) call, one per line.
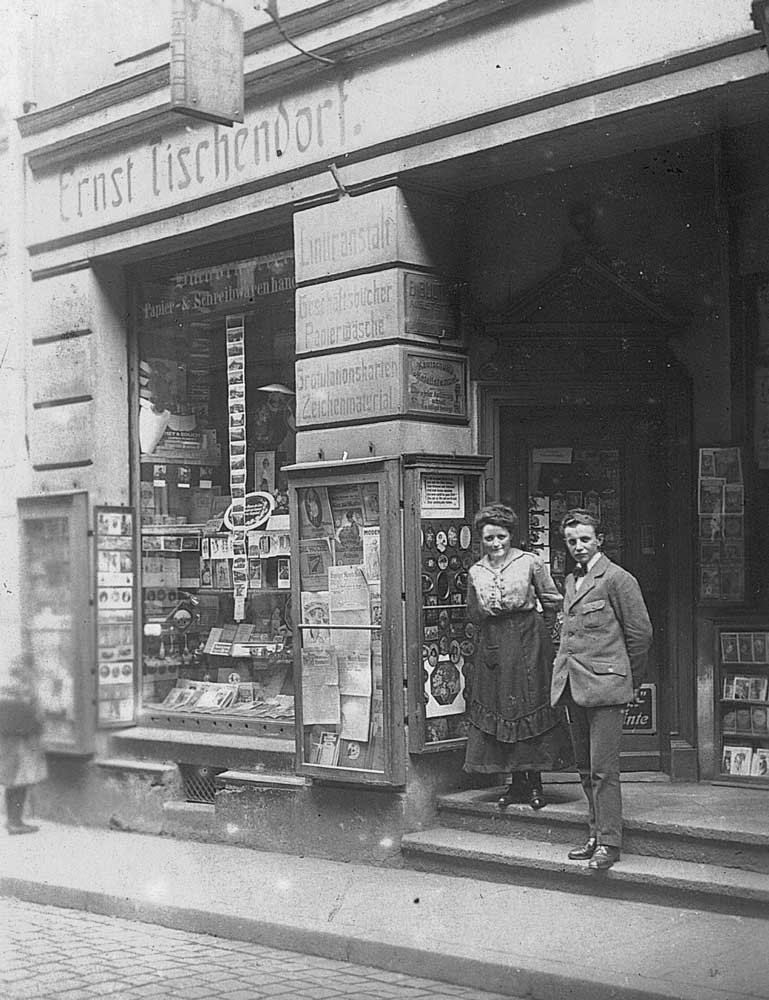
point(513, 940)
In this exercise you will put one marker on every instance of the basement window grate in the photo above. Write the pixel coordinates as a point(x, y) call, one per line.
point(198, 782)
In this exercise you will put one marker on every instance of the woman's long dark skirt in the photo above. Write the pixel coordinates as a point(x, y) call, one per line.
point(512, 726)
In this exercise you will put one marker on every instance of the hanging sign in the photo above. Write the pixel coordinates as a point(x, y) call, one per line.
point(207, 61)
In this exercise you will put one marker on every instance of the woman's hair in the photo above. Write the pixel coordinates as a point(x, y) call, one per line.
point(498, 514)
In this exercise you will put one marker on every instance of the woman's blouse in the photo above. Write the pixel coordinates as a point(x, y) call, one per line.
point(514, 586)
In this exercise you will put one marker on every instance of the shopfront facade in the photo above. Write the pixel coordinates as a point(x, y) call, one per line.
point(274, 369)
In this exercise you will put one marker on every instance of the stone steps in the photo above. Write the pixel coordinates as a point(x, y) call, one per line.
point(672, 882)
point(708, 834)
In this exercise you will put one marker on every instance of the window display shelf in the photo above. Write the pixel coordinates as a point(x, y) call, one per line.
point(742, 701)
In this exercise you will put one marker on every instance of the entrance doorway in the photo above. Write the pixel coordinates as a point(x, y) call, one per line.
point(608, 460)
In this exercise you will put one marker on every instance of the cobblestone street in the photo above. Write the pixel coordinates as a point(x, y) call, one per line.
point(57, 954)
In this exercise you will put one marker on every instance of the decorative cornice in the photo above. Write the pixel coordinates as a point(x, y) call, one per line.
point(291, 69)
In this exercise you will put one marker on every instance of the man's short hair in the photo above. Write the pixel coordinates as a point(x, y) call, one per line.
point(578, 515)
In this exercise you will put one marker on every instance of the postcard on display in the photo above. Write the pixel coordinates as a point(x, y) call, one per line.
point(741, 760)
point(711, 527)
point(711, 496)
point(370, 499)
point(728, 463)
point(315, 613)
point(758, 688)
point(356, 716)
point(371, 554)
point(760, 765)
point(315, 518)
point(734, 498)
point(707, 467)
point(444, 688)
point(710, 583)
point(759, 719)
point(284, 574)
point(315, 558)
point(348, 536)
point(728, 688)
point(733, 525)
point(732, 583)
point(539, 504)
point(326, 751)
point(710, 553)
point(760, 649)
point(745, 647)
point(741, 688)
point(729, 649)
point(264, 471)
point(354, 754)
point(733, 550)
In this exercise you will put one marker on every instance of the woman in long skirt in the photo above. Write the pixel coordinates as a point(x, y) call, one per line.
point(513, 730)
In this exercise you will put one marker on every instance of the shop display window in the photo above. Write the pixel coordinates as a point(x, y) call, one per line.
point(743, 701)
point(216, 429)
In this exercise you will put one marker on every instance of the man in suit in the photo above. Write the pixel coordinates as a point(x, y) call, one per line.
point(601, 661)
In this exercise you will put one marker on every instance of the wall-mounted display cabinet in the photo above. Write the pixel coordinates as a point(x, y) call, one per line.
point(742, 700)
point(442, 495)
point(57, 625)
point(347, 591)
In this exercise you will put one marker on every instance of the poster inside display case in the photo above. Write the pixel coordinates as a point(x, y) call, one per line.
point(445, 495)
point(56, 627)
point(216, 429)
point(347, 669)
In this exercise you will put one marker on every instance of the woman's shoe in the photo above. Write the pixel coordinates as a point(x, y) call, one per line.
point(513, 793)
point(536, 795)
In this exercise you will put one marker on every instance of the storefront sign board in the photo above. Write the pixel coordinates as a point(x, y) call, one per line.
point(380, 382)
point(365, 308)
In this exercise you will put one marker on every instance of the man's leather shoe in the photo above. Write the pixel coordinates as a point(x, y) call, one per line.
point(584, 853)
point(604, 857)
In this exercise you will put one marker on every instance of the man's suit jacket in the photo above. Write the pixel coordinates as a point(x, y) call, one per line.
point(605, 637)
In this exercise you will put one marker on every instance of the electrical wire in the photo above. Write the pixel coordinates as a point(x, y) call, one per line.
point(270, 8)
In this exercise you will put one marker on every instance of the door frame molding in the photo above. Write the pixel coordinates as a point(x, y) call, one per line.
point(672, 393)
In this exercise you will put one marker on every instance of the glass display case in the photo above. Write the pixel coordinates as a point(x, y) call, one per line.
point(742, 693)
point(57, 617)
point(442, 495)
point(215, 428)
point(347, 592)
